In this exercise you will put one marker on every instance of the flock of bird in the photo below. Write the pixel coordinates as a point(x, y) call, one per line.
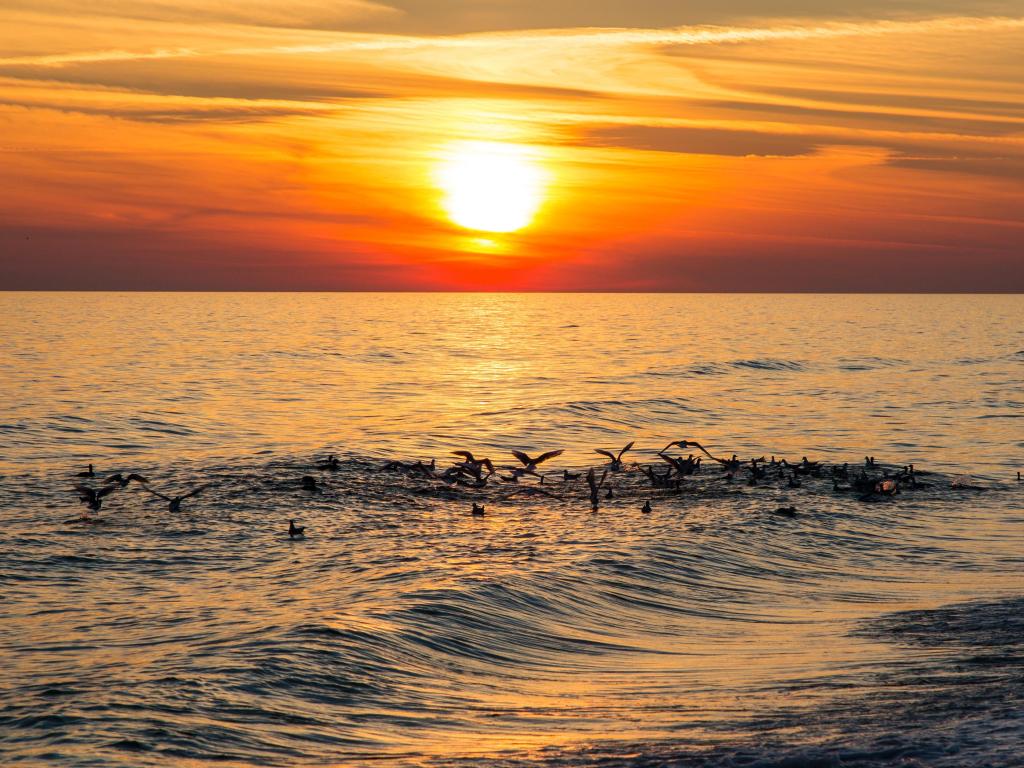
point(671, 474)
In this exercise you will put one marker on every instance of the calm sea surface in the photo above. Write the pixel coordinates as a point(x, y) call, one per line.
point(404, 631)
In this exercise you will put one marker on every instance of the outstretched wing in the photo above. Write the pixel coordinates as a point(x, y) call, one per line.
point(603, 452)
point(85, 490)
point(195, 492)
point(625, 449)
point(549, 455)
point(487, 463)
point(157, 493)
point(105, 490)
point(466, 455)
point(523, 458)
point(138, 478)
point(114, 478)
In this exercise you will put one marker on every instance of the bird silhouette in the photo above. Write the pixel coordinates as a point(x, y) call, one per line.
point(530, 464)
point(122, 481)
point(615, 463)
point(174, 502)
point(296, 531)
point(93, 497)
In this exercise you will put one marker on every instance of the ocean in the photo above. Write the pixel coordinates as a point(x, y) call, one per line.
point(404, 631)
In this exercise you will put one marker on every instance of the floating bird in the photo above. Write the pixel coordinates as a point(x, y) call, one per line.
point(331, 463)
point(94, 496)
point(296, 531)
point(309, 483)
point(531, 464)
point(478, 510)
point(122, 481)
point(785, 511)
point(174, 502)
point(616, 459)
point(87, 473)
point(646, 507)
point(567, 475)
point(793, 482)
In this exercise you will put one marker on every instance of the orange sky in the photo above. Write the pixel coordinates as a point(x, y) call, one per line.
point(322, 145)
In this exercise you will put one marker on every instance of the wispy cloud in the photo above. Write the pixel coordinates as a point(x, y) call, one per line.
point(564, 39)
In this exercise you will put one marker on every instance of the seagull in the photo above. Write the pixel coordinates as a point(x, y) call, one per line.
point(296, 531)
point(94, 496)
point(122, 481)
point(332, 463)
point(174, 502)
point(87, 473)
point(616, 460)
point(531, 464)
point(595, 484)
point(478, 510)
point(472, 466)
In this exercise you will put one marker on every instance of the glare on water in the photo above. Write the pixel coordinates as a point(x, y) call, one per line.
point(401, 625)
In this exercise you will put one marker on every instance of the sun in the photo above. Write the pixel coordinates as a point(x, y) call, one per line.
point(489, 186)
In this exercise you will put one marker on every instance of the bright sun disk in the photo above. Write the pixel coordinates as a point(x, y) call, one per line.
point(490, 187)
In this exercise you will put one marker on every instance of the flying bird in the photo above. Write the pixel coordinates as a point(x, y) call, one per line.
point(616, 459)
point(94, 496)
point(531, 464)
point(174, 502)
point(122, 481)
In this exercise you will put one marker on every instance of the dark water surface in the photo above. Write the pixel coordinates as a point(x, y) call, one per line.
point(404, 631)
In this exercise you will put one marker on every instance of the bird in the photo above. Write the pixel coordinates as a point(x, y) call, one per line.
point(530, 464)
point(646, 507)
point(87, 473)
point(94, 496)
point(595, 484)
point(309, 483)
point(331, 463)
point(567, 475)
point(478, 510)
point(296, 531)
point(793, 482)
point(174, 502)
point(699, 447)
point(616, 459)
point(785, 511)
point(122, 481)
point(471, 465)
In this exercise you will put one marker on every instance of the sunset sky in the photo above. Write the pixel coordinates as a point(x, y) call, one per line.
point(777, 145)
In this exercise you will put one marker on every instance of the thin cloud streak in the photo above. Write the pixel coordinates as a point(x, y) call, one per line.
point(680, 36)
